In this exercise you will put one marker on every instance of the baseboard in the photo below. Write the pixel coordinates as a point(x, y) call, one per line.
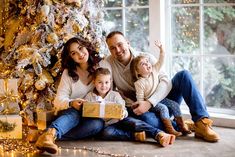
point(219, 119)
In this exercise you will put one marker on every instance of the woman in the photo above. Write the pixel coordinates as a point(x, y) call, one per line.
point(78, 62)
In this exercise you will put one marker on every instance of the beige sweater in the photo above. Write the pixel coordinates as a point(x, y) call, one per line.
point(146, 87)
point(124, 82)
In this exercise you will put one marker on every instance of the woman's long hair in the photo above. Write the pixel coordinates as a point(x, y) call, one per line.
point(68, 62)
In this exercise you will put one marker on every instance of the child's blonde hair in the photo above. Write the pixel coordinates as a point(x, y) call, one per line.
point(134, 64)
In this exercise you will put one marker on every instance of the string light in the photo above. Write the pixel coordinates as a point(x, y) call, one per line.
point(91, 149)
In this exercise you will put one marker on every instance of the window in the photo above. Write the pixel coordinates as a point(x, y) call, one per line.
point(199, 35)
point(202, 40)
point(130, 17)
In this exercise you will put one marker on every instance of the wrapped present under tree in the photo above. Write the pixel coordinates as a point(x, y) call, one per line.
point(10, 127)
point(9, 96)
point(44, 118)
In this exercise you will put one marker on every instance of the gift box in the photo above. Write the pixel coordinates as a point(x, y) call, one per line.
point(33, 134)
point(102, 110)
point(9, 96)
point(44, 118)
point(10, 127)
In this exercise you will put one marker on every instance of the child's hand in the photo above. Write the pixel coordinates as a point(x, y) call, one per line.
point(159, 45)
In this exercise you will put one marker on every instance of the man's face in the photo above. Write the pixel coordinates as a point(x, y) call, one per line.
point(119, 48)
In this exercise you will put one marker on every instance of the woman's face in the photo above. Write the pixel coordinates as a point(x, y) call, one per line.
point(78, 53)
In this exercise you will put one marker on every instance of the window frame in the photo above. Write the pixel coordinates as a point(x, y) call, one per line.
point(221, 117)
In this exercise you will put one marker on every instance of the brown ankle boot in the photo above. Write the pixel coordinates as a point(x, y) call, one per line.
point(181, 125)
point(165, 139)
point(169, 128)
point(46, 142)
point(204, 130)
point(140, 136)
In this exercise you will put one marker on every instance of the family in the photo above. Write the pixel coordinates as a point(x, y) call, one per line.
point(135, 80)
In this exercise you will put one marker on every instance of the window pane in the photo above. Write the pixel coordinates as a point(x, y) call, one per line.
point(219, 1)
point(185, 30)
point(113, 3)
point(219, 82)
point(137, 3)
point(113, 20)
point(219, 31)
point(137, 28)
point(191, 64)
point(184, 1)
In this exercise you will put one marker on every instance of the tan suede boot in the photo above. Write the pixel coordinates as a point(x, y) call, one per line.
point(46, 142)
point(169, 128)
point(140, 136)
point(204, 130)
point(190, 125)
point(165, 139)
point(182, 126)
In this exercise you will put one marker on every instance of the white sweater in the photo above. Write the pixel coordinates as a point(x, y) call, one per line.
point(69, 90)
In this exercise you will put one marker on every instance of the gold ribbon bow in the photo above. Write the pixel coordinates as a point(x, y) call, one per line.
point(7, 97)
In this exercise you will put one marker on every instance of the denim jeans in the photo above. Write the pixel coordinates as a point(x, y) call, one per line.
point(71, 125)
point(125, 129)
point(183, 87)
point(166, 108)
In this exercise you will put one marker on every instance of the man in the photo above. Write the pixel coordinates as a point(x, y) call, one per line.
point(183, 87)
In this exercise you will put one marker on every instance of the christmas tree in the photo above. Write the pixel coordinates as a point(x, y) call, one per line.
point(32, 38)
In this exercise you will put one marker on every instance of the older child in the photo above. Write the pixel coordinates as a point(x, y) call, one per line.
point(133, 129)
point(102, 91)
point(146, 78)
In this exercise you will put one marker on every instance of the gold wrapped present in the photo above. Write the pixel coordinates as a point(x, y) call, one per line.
point(10, 127)
point(101, 110)
point(44, 118)
point(33, 134)
point(9, 96)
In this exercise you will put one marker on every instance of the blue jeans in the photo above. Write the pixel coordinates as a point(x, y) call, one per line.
point(71, 125)
point(125, 129)
point(183, 87)
point(166, 108)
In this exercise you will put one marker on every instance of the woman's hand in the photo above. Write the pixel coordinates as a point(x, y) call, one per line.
point(77, 103)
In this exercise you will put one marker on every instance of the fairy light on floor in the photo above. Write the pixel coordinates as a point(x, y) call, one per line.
point(12, 147)
point(84, 150)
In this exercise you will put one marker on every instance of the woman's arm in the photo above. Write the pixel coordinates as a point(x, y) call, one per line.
point(62, 99)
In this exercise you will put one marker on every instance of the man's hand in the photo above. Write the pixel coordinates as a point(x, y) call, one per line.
point(77, 103)
point(142, 107)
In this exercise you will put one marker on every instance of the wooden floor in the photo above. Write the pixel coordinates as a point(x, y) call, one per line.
point(183, 147)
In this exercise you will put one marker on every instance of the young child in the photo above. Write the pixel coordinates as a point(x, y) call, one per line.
point(102, 81)
point(147, 82)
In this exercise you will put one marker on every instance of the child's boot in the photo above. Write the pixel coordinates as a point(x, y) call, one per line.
point(140, 136)
point(181, 125)
point(46, 142)
point(169, 128)
point(165, 139)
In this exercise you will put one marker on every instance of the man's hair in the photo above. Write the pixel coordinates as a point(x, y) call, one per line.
point(111, 34)
point(101, 71)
